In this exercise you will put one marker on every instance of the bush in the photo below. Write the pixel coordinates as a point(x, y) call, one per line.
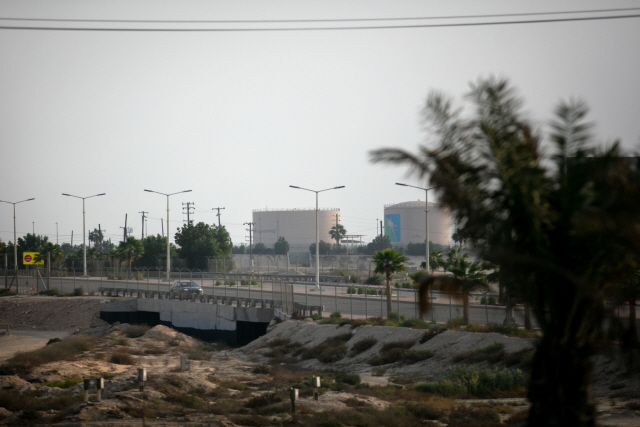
point(510, 330)
point(492, 353)
point(254, 283)
point(50, 292)
point(244, 282)
point(231, 282)
point(330, 351)
point(122, 359)
point(395, 317)
point(362, 346)
point(135, 331)
point(374, 280)
point(351, 290)
point(361, 290)
point(68, 383)
point(350, 379)
point(78, 292)
point(415, 323)
point(6, 292)
point(218, 283)
point(67, 349)
point(464, 382)
point(456, 322)
point(395, 352)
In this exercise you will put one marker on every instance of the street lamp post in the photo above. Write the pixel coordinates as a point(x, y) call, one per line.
point(317, 243)
point(15, 242)
point(168, 226)
point(426, 201)
point(84, 245)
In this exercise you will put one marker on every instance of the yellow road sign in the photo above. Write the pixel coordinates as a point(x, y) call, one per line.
point(29, 258)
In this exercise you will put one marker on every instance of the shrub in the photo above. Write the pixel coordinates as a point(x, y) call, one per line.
point(15, 402)
point(464, 382)
point(330, 351)
point(78, 292)
point(492, 353)
point(350, 379)
point(510, 330)
point(231, 282)
point(333, 319)
point(263, 400)
point(6, 292)
point(122, 359)
point(187, 400)
point(415, 323)
point(244, 282)
point(67, 349)
point(68, 383)
point(50, 292)
point(254, 283)
point(431, 333)
point(405, 345)
point(374, 280)
point(361, 290)
point(362, 346)
point(135, 331)
point(218, 283)
point(456, 322)
point(414, 356)
point(395, 352)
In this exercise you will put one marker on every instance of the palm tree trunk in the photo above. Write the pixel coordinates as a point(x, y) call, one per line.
point(630, 336)
point(527, 316)
point(389, 307)
point(560, 386)
point(465, 307)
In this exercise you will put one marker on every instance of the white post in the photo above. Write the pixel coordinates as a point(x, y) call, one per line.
point(426, 212)
point(84, 244)
point(15, 242)
point(317, 248)
point(168, 251)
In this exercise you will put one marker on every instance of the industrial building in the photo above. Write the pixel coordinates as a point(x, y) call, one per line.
point(404, 223)
point(297, 226)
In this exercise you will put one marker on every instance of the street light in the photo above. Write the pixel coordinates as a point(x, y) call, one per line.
point(84, 245)
point(317, 244)
point(168, 227)
point(426, 201)
point(15, 242)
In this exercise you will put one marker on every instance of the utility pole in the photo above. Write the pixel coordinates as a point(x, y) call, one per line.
point(33, 230)
point(218, 215)
point(250, 224)
point(71, 239)
point(143, 212)
point(188, 208)
point(381, 237)
point(162, 224)
point(100, 236)
point(125, 228)
point(57, 234)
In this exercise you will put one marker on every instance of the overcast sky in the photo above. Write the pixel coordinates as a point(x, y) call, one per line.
point(239, 116)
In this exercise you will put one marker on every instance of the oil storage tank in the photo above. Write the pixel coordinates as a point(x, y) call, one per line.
point(297, 226)
point(405, 223)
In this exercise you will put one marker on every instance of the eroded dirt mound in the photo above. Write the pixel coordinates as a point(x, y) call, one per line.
point(73, 314)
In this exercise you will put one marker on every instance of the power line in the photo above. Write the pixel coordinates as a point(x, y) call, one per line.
point(282, 29)
point(281, 21)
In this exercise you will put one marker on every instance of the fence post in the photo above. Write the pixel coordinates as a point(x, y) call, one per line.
point(350, 302)
point(366, 304)
point(398, 303)
point(336, 297)
point(48, 270)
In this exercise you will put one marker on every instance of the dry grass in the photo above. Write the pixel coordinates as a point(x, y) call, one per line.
point(135, 331)
point(122, 359)
point(493, 353)
point(13, 401)
point(68, 349)
point(362, 346)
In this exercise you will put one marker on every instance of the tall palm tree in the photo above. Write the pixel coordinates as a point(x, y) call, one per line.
point(560, 226)
point(471, 277)
point(131, 249)
point(388, 262)
point(337, 232)
point(54, 250)
point(436, 260)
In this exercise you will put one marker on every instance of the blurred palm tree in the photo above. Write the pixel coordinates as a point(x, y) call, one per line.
point(561, 227)
point(131, 249)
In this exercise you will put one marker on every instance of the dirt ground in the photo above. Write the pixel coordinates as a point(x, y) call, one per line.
point(223, 376)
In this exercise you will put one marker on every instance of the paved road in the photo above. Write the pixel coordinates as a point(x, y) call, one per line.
point(332, 298)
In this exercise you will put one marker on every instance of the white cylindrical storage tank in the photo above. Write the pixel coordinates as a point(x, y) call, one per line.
point(405, 223)
point(297, 226)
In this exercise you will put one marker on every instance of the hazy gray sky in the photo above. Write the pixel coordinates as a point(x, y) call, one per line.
point(237, 117)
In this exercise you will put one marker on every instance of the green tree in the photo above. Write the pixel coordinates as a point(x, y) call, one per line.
point(375, 245)
point(628, 291)
point(95, 237)
point(281, 247)
point(337, 232)
point(130, 250)
point(199, 241)
point(51, 248)
point(155, 248)
point(242, 249)
point(560, 226)
point(388, 262)
point(436, 260)
point(324, 248)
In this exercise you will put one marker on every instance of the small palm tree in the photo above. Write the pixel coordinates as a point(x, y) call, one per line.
point(337, 232)
point(54, 250)
point(436, 260)
point(131, 249)
point(389, 262)
point(471, 277)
